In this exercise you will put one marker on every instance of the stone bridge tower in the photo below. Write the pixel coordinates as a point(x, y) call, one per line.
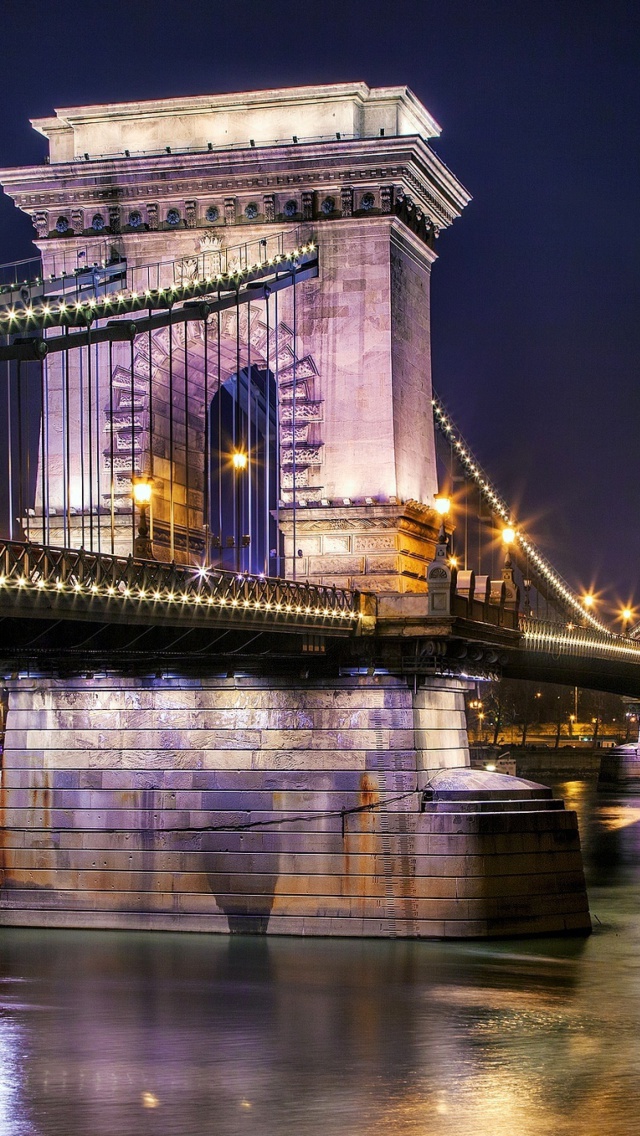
point(348, 165)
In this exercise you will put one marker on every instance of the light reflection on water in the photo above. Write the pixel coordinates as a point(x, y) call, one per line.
point(107, 1033)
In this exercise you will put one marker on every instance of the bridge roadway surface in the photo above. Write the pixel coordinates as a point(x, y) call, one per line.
point(74, 610)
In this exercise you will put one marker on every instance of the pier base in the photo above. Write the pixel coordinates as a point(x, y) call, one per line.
point(272, 805)
point(620, 769)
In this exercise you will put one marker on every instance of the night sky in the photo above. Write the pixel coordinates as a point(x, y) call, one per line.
point(536, 334)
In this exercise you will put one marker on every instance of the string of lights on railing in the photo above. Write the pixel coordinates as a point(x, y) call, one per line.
point(552, 579)
point(31, 568)
point(83, 312)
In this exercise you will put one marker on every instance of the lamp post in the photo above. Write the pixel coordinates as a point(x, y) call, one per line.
point(443, 507)
point(141, 493)
point(240, 461)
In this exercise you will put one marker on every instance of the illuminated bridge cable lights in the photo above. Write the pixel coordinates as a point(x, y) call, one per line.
point(547, 637)
point(499, 507)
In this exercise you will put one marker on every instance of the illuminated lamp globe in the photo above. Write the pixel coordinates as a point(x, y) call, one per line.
point(239, 460)
point(588, 600)
point(141, 490)
point(442, 505)
point(626, 614)
point(508, 535)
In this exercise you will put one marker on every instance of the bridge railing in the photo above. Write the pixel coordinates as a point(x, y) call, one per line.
point(566, 639)
point(78, 273)
point(31, 568)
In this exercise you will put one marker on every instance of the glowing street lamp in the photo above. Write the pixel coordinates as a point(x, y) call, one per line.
point(588, 600)
point(141, 490)
point(508, 538)
point(626, 615)
point(442, 505)
point(239, 460)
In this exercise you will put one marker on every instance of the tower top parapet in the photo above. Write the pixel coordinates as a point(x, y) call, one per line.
point(282, 114)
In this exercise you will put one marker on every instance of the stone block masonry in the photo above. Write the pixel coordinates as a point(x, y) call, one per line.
point(280, 806)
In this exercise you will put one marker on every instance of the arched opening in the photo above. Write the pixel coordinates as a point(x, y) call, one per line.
point(243, 473)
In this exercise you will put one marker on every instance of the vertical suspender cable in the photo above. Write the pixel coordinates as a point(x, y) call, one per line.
point(293, 421)
point(237, 440)
point(21, 473)
point(67, 442)
point(43, 479)
point(249, 461)
point(90, 438)
point(267, 439)
point(186, 442)
point(206, 471)
point(220, 434)
point(150, 432)
point(81, 443)
point(96, 357)
point(112, 482)
point(9, 450)
point(133, 444)
point(278, 459)
point(171, 513)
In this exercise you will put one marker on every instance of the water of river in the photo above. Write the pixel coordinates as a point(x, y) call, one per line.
point(127, 1034)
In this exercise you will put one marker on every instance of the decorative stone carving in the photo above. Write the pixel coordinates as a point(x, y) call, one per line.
point(77, 220)
point(229, 210)
point(307, 206)
point(152, 215)
point(346, 201)
point(186, 271)
point(269, 207)
point(381, 543)
point(114, 218)
point(41, 224)
point(336, 544)
point(305, 455)
point(190, 214)
point(386, 198)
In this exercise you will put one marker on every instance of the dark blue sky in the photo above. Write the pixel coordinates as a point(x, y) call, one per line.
point(535, 297)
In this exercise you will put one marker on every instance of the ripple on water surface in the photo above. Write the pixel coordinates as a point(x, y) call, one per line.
point(112, 1033)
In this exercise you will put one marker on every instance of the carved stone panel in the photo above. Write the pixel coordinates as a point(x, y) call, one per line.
point(327, 565)
point(269, 207)
point(114, 218)
point(346, 201)
point(375, 543)
point(307, 206)
point(152, 215)
point(336, 544)
point(41, 224)
point(230, 210)
point(190, 214)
